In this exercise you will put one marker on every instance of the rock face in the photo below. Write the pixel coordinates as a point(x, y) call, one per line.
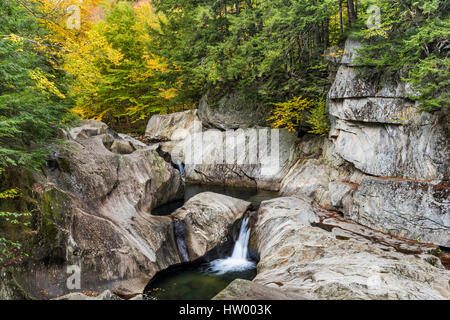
point(416, 210)
point(95, 219)
point(171, 127)
point(244, 157)
point(383, 165)
point(308, 252)
point(232, 111)
point(414, 151)
point(379, 131)
point(207, 216)
point(241, 157)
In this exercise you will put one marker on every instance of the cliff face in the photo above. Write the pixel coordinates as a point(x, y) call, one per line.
point(384, 164)
point(378, 130)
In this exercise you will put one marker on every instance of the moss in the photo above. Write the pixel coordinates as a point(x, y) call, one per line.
point(64, 165)
point(52, 222)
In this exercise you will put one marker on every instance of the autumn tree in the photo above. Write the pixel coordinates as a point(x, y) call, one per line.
point(115, 77)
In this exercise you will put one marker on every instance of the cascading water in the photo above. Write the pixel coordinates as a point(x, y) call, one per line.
point(180, 229)
point(181, 169)
point(201, 280)
point(238, 260)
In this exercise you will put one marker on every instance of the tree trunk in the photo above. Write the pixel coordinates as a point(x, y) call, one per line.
point(326, 34)
point(341, 21)
point(351, 12)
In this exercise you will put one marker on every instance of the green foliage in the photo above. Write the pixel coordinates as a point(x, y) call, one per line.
point(271, 49)
point(412, 43)
point(11, 249)
point(31, 102)
point(32, 107)
point(319, 119)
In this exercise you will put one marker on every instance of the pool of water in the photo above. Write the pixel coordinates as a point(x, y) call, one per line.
point(191, 282)
point(201, 280)
point(248, 194)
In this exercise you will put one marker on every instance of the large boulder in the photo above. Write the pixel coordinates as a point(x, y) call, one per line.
point(232, 111)
point(309, 252)
point(207, 217)
point(172, 127)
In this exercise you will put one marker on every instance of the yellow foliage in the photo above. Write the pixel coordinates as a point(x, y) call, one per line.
point(292, 113)
point(289, 114)
point(59, 17)
point(11, 194)
point(88, 58)
point(43, 83)
point(168, 94)
point(406, 115)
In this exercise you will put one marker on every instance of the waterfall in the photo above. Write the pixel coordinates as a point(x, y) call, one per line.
point(238, 260)
point(241, 247)
point(180, 230)
point(181, 169)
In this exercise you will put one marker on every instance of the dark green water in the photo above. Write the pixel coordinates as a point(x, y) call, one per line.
point(192, 282)
point(248, 194)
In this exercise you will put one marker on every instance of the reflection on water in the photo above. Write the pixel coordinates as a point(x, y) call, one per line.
point(192, 282)
point(248, 194)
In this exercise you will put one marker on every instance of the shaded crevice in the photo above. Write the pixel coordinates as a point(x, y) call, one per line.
point(179, 228)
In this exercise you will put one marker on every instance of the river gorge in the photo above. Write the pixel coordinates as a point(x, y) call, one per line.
point(360, 214)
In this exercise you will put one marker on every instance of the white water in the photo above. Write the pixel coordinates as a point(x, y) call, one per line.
point(238, 260)
point(181, 169)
